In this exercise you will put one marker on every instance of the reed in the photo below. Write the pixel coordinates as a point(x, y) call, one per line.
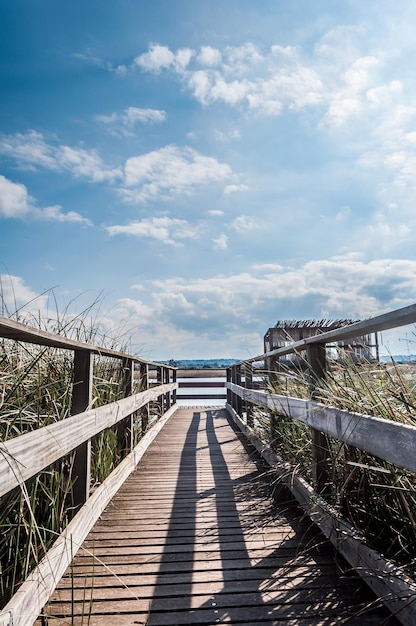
point(36, 390)
point(378, 499)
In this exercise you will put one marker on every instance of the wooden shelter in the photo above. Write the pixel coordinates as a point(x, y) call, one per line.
point(286, 332)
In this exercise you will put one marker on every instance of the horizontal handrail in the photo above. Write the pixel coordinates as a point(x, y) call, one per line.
point(24, 456)
point(27, 603)
point(393, 442)
point(9, 329)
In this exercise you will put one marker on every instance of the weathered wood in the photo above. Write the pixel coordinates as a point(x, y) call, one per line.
point(28, 601)
point(391, 441)
point(28, 454)
point(321, 455)
point(200, 384)
point(9, 329)
point(396, 590)
point(124, 428)
point(81, 400)
point(228, 552)
point(393, 319)
point(201, 396)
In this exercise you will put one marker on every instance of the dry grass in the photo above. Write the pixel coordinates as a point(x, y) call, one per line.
point(378, 498)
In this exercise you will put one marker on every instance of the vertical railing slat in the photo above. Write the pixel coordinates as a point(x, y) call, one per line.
point(81, 399)
point(321, 456)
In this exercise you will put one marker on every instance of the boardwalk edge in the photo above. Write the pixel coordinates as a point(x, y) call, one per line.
point(394, 588)
point(28, 602)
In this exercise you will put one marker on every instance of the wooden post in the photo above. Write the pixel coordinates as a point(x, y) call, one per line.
point(174, 391)
point(159, 381)
point(229, 379)
point(81, 399)
point(166, 377)
point(233, 380)
point(124, 428)
point(249, 385)
point(321, 454)
point(239, 400)
point(144, 385)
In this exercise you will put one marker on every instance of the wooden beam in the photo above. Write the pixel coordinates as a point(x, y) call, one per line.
point(81, 400)
point(28, 601)
point(392, 441)
point(26, 455)
point(396, 590)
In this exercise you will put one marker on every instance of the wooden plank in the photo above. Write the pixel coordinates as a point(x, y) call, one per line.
point(218, 548)
point(201, 396)
point(81, 400)
point(26, 604)
point(9, 329)
point(200, 384)
point(396, 590)
point(28, 454)
point(392, 441)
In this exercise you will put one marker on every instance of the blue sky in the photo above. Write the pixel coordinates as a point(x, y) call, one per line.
point(206, 168)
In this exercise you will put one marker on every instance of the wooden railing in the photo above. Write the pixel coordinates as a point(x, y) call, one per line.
point(201, 384)
point(388, 440)
point(28, 454)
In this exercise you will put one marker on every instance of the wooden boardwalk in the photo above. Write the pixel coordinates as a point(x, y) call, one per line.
point(200, 535)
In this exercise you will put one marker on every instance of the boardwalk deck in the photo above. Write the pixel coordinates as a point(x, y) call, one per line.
point(199, 535)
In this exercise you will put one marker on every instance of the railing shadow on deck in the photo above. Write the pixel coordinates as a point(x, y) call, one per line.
point(26, 455)
point(246, 580)
point(135, 419)
point(388, 440)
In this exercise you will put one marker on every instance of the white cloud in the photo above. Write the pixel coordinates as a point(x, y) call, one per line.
point(209, 56)
point(232, 188)
point(85, 163)
point(244, 223)
point(163, 173)
point(169, 172)
point(165, 229)
point(232, 312)
point(54, 213)
point(340, 79)
point(32, 151)
point(15, 202)
point(17, 296)
point(160, 57)
point(221, 243)
point(228, 135)
point(124, 123)
point(29, 150)
point(14, 199)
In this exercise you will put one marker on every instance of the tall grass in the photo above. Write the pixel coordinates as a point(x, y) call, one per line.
point(378, 498)
point(36, 390)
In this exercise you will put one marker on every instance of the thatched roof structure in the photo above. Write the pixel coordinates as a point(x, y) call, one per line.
point(321, 324)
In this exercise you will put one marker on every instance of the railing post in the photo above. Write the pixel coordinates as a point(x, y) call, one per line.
point(81, 399)
point(159, 381)
point(321, 454)
point(239, 399)
point(144, 385)
point(166, 376)
point(229, 393)
point(248, 381)
point(124, 428)
point(174, 391)
point(233, 395)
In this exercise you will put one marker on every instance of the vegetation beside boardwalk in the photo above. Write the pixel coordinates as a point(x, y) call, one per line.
point(378, 499)
point(36, 390)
